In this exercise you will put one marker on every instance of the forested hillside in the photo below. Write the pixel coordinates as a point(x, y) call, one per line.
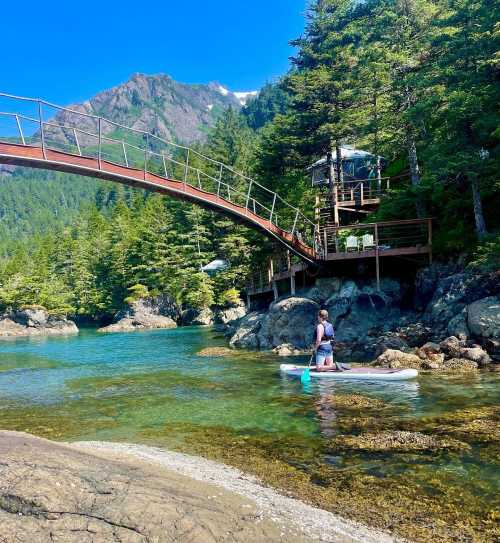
point(416, 81)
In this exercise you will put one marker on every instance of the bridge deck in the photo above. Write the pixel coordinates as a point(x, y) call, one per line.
point(32, 156)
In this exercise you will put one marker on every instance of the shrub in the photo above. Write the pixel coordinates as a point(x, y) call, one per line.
point(230, 298)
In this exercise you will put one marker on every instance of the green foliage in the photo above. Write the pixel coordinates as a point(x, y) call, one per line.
point(487, 255)
point(272, 100)
point(200, 292)
point(230, 298)
point(136, 292)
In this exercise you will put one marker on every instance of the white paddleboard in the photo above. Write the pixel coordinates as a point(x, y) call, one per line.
point(362, 374)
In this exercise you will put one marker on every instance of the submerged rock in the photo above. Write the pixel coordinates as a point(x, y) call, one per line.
point(396, 441)
point(353, 401)
point(460, 364)
point(215, 352)
point(35, 321)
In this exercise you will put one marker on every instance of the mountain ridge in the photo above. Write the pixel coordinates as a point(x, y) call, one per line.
point(175, 111)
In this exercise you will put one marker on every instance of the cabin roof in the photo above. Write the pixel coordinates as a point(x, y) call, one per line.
point(347, 153)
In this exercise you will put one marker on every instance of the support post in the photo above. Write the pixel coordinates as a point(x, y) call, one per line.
point(199, 180)
point(379, 174)
point(325, 242)
point(275, 291)
point(77, 142)
point(292, 283)
point(429, 238)
point(20, 130)
point(336, 218)
point(377, 257)
point(99, 128)
point(42, 136)
point(249, 303)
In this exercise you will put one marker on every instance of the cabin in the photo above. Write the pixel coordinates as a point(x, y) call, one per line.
point(357, 165)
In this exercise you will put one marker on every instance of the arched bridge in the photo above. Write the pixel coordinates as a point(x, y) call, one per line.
point(38, 134)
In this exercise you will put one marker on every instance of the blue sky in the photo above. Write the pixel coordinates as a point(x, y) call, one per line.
point(68, 51)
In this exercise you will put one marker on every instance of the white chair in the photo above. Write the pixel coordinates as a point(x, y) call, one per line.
point(351, 244)
point(367, 242)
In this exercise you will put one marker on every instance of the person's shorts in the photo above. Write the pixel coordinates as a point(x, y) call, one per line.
point(324, 354)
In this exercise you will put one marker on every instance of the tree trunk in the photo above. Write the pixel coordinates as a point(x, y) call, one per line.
point(415, 171)
point(478, 207)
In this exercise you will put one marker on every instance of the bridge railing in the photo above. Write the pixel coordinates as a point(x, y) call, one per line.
point(35, 122)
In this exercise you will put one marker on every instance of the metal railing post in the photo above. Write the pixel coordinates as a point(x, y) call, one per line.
point(20, 130)
point(248, 194)
point(125, 154)
point(77, 142)
point(100, 143)
point(146, 156)
point(42, 136)
point(272, 209)
point(186, 169)
point(295, 222)
point(164, 166)
point(199, 180)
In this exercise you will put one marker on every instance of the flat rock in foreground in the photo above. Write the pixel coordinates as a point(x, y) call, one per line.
point(55, 492)
point(98, 492)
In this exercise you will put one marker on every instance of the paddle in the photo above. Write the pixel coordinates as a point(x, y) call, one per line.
point(306, 374)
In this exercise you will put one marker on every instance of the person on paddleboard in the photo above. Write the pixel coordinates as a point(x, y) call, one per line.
point(324, 335)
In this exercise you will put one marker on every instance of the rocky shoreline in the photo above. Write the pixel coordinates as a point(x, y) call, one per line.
point(94, 491)
point(442, 321)
point(34, 321)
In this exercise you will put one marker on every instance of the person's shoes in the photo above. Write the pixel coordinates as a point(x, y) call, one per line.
point(339, 366)
point(345, 367)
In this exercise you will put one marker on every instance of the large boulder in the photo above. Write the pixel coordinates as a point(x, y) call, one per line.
point(227, 315)
point(246, 332)
point(291, 320)
point(483, 318)
point(323, 289)
point(195, 317)
point(146, 313)
point(453, 295)
point(35, 321)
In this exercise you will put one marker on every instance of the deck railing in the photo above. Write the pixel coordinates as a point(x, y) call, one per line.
point(35, 122)
point(382, 236)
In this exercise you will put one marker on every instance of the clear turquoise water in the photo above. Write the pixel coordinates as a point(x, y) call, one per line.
point(151, 387)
